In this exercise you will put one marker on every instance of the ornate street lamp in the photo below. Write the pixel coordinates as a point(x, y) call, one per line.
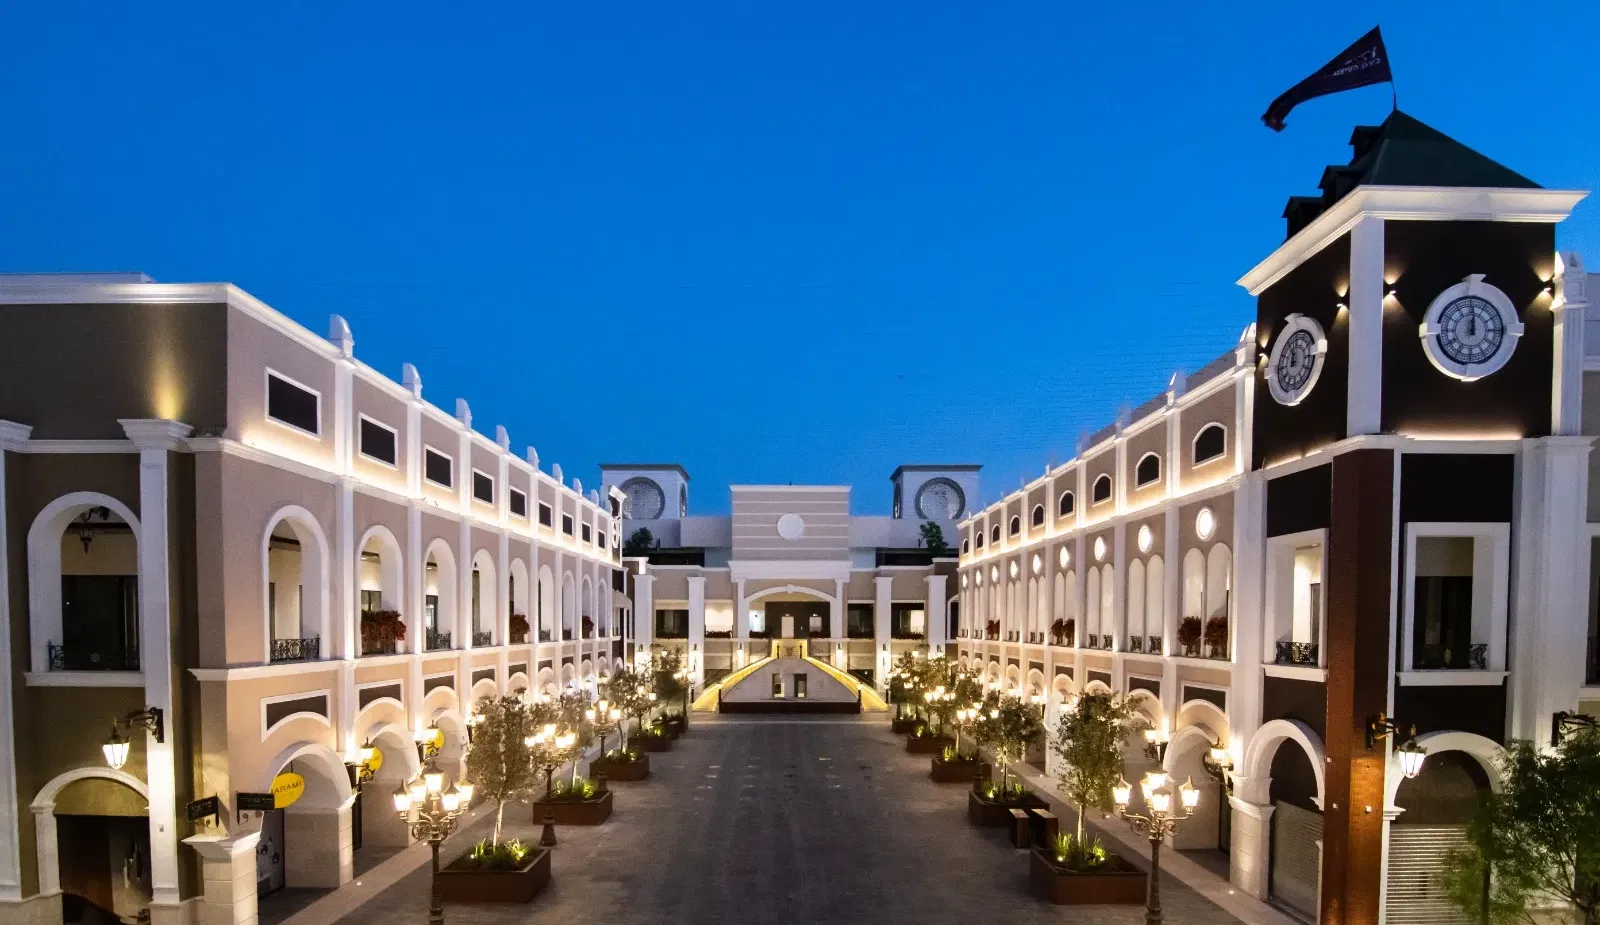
point(1410, 754)
point(604, 718)
point(1155, 743)
point(116, 746)
point(1159, 820)
point(432, 812)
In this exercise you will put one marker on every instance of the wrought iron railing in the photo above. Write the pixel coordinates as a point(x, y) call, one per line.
point(297, 650)
point(1468, 658)
point(379, 645)
point(66, 657)
point(1135, 643)
point(519, 639)
point(1092, 641)
point(1153, 645)
point(1296, 653)
point(481, 639)
point(544, 635)
point(436, 640)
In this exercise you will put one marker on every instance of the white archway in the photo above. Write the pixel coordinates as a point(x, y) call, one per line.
point(45, 568)
point(439, 593)
point(518, 592)
point(569, 607)
point(483, 599)
point(587, 623)
point(1257, 764)
point(545, 606)
point(46, 845)
point(1486, 751)
point(380, 570)
point(300, 557)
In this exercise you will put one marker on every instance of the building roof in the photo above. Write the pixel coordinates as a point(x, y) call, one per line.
point(1402, 152)
point(646, 467)
point(932, 467)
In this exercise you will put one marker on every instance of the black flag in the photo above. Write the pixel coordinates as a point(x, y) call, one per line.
point(1361, 65)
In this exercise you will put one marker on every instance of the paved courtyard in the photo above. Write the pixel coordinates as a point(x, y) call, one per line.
point(779, 821)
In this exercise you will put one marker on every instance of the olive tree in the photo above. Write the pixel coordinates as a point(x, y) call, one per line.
point(497, 762)
point(1089, 737)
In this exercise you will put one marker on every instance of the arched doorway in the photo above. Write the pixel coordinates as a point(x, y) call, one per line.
point(92, 838)
point(308, 843)
point(1294, 877)
point(518, 591)
point(1429, 815)
point(438, 598)
point(295, 593)
point(1185, 762)
point(484, 600)
point(382, 829)
point(379, 580)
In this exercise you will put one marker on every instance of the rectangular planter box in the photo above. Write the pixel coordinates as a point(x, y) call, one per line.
point(927, 745)
point(675, 727)
point(1065, 889)
point(963, 772)
point(654, 743)
point(621, 770)
point(903, 726)
point(497, 886)
point(590, 812)
point(984, 813)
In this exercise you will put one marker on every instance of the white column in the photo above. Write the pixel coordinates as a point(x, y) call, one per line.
point(1364, 411)
point(1571, 301)
point(228, 875)
point(644, 611)
point(883, 599)
point(741, 618)
point(1550, 581)
point(155, 440)
point(12, 436)
point(1249, 548)
point(838, 612)
point(697, 626)
point(1249, 857)
point(936, 619)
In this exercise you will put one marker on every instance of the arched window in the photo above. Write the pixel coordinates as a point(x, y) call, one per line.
point(966, 546)
point(1108, 603)
point(1155, 595)
point(977, 539)
point(1092, 601)
point(1148, 471)
point(994, 534)
point(1210, 443)
point(1016, 525)
point(1036, 519)
point(1194, 584)
point(1136, 589)
point(1102, 489)
point(1064, 506)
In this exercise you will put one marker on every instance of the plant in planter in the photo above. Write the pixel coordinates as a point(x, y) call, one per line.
point(576, 802)
point(667, 677)
point(1076, 870)
point(1089, 738)
point(990, 803)
point(623, 764)
point(497, 762)
point(519, 627)
point(1010, 725)
point(1062, 631)
point(629, 690)
point(379, 627)
point(507, 871)
point(953, 767)
point(588, 627)
point(992, 629)
point(1217, 637)
point(654, 739)
point(1189, 634)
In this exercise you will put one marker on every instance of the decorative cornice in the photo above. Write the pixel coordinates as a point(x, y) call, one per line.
point(155, 434)
point(13, 435)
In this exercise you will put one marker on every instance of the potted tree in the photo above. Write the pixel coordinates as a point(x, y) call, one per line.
point(497, 763)
point(667, 680)
point(1088, 740)
point(1217, 637)
point(1189, 634)
point(576, 800)
point(519, 628)
point(957, 714)
point(628, 691)
point(1007, 724)
point(380, 630)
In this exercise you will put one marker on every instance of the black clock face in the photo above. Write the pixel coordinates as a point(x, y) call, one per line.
point(1471, 331)
point(1296, 362)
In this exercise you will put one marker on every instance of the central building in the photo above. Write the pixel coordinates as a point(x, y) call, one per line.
point(792, 562)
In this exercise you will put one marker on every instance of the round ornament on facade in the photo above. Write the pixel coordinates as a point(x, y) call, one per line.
point(1470, 330)
point(964, 580)
point(1205, 523)
point(1099, 549)
point(1147, 538)
point(1296, 359)
point(1065, 557)
point(646, 501)
point(791, 527)
point(940, 499)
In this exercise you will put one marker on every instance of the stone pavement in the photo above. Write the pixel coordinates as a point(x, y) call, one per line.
point(767, 821)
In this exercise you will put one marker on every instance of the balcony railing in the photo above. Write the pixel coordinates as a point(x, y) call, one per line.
point(77, 657)
point(544, 635)
point(481, 639)
point(1153, 645)
point(1468, 658)
point(1296, 653)
point(297, 650)
point(1136, 644)
point(434, 641)
point(378, 645)
point(519, 639)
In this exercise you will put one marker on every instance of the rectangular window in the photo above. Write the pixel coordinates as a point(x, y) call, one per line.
point(858, 621)
point(816, 628)
point(777, 685)
point(293, 404)
point(566, 524)
point(588, 533)
point(482, 487)
point(545, 515)
point(907, 621)
point(601, 540)
point(99, 624)
point(519, 503)
point(1442, 608)
point(437, 467)
point(378, 441)
point(430, 612)
point(799, 687)
point(672, 624)
point(371, 600)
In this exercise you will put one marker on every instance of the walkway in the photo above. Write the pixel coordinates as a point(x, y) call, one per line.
point(768, 821)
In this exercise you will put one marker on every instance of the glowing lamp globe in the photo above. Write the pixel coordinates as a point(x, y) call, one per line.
point(402, 800)
point(1411, 756)
point(1121, 792)
point(116, 750)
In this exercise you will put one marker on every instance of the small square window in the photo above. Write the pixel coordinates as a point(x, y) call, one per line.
point(546, 515)
point(566, 524)
point(482, 487)
point(293, 404)
point(601, 540)
point(588, 533)
point(379, 441)
point(437, 467)
point(519, 503)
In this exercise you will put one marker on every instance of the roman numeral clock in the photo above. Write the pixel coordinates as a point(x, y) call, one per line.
point(1470, 329)
point(1296, 359)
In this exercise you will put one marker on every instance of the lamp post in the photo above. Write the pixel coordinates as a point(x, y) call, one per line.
point(683, 676)
point(432, 812)
point(1159, 820)
point(604, 718)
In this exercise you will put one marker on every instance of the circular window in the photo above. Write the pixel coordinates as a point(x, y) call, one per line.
point(645, 499)
point(940, 499)
point(1205, 523)
point(978, 577)
point(791, 527)
point(1099, 548)
point(1038, 563)
point(1147, 538)
point(1066, 557)
point(994, 573)
point(1014, 569)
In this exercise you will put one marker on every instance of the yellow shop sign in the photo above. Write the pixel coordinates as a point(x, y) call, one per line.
point(287, 788)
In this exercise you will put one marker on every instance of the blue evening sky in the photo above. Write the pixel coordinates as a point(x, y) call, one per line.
point(771, 241)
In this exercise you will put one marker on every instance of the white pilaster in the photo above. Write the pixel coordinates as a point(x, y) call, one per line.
point(883, 601)
point(1570, 301)
point(1364, 411)
point(741, 616)
point(937, 619)
point(155, 440)
point(697, 626)
point(644, 611)
point(1249, 544)
point(12, 437)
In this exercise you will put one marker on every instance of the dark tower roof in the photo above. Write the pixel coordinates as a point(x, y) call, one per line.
point(1401, 152)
